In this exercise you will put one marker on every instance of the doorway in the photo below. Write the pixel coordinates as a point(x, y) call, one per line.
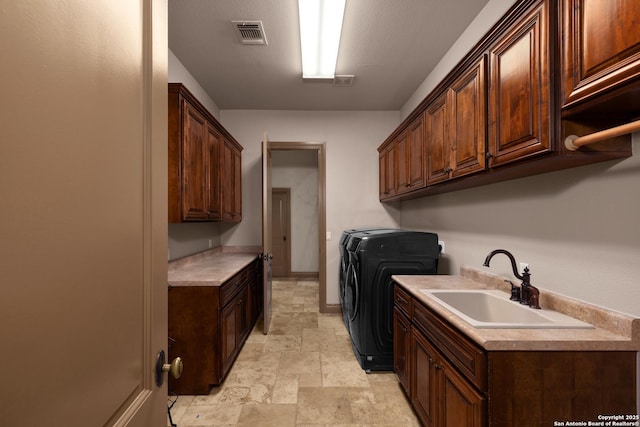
point(318, 247)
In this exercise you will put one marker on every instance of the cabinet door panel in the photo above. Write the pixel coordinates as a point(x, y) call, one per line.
point(519, 94)
point(601, 46)
point(437, 141)
point(401, 348)
point(231, 182)
point(402, 162)
point(194, 165)
point(213, 181)
point(424, 382)
point(461, 404)
point(228, 329)
point(237, 186)
point(416, 154)
point(382, 171)
point(467, 122)
point(387, 172)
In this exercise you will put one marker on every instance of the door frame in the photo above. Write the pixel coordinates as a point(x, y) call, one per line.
point(320, 148)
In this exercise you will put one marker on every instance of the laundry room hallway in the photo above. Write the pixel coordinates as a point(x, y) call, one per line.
point(303, 373)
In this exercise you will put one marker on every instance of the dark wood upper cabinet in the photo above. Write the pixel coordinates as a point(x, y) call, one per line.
point(455, 126)
point(194, 164)
point(417, 161)
point(409, 156)
point(600, 49)
point(546, 70)
point(437, 141)
point(214, 168)
point(402, 155)
point(467, 121)
point(205, 176)
point(231, 181)
point(520, 91)
point(387, 171)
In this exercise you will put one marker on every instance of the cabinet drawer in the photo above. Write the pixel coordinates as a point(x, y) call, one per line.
point(402, 300)
point(231, 287)
point(469, 359)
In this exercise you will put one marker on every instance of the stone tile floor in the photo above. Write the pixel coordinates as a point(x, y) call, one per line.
point(303, 373)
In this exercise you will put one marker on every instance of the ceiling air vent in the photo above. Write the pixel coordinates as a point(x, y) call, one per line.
point(250, 32)
point(343, 80)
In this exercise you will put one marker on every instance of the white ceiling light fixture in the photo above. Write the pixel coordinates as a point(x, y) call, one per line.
point(320, 28)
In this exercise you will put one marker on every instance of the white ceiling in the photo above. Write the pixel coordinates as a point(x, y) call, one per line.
point(390, 45)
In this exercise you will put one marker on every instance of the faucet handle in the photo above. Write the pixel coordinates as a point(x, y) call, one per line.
point(515, 291)
point(534, 297)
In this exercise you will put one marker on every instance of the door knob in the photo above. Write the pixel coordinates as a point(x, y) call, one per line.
point(174, 368)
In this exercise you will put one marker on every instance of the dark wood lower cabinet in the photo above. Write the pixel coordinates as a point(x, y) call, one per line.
point(453, 382)
point(208, 326)
point(401, 348)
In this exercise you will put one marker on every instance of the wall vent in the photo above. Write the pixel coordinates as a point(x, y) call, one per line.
point(343, 80)
point(250, 32)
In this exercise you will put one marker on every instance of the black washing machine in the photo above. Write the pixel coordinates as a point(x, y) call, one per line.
point(344, 263)
point(374, 257)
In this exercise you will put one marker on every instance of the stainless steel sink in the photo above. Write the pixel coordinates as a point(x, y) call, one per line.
point(493, 309)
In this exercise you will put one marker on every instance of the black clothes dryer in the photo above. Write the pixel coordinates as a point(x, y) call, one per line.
point(368, 295)
point(344, 263)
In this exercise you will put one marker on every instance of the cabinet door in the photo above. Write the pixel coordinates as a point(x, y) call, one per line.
point(467, 121)
point(437, 141)
point(601, 46)
point(403, 162)
point(243, 314)
point(401, 348)
point(231, 182)
point(416, 166)
point(423, 379)
point(387, 172)
point(519, 94)
point(229, 335)
point(194, 163)
point(213, 169)
point(237, 185)
point(460, 404)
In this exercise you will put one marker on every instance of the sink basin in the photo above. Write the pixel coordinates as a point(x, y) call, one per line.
point(493, 309)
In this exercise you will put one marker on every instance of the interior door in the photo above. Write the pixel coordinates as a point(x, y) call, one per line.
point(266, 231)
point(83, 223)
point(281, 231)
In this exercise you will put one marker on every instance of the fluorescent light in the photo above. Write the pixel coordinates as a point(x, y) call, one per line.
point(320, 28)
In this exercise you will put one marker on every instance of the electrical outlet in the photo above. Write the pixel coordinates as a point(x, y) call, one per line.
point(210, 243)
point(441, 244)
point(523, 265)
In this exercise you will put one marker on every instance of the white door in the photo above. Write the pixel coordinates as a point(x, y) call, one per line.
point(266, 231)
point(83, 212)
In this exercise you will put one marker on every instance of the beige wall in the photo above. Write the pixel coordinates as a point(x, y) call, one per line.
point(579, 229)
point(352, 170)
point(178, 73)
point(487, 17)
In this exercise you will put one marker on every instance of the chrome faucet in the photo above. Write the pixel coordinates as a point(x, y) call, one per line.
point(527, 293)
